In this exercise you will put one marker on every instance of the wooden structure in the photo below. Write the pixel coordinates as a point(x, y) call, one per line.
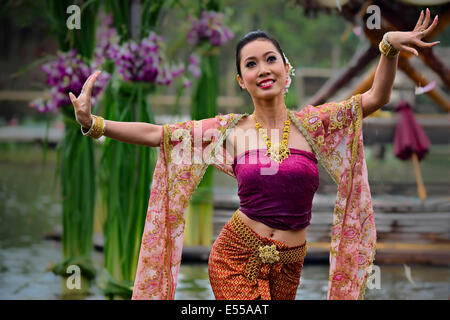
point(400, 15)
point(408, 231)
point(376, 130)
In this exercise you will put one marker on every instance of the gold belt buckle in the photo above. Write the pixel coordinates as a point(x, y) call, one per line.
point(269, 254)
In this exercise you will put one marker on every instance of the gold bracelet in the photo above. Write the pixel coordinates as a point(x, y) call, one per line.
point(97, 128)
point(90, 129)
point(387, 49)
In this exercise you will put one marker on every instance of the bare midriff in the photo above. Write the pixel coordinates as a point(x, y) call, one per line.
point(291, 238)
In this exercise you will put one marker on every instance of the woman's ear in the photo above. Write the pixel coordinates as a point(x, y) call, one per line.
point(240, 82)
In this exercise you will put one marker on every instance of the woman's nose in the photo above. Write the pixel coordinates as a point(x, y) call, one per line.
point(263, 71)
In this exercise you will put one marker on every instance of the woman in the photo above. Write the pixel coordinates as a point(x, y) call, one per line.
point(259, 253)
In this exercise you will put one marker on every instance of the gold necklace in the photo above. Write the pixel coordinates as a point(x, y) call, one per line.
point(276, 152)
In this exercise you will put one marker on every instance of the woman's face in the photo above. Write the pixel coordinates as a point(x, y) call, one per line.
point(263, 72)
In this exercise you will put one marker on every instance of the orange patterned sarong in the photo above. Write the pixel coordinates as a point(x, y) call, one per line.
point(229, 261)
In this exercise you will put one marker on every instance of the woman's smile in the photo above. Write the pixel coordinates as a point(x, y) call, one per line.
point(266, 84)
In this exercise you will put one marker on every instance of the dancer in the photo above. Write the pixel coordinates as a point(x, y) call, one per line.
point(259, 253)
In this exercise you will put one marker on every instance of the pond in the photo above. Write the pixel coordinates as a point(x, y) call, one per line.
point(30, 208)
point(23, 275)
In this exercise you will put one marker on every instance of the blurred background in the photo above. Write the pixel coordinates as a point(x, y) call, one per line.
point(67, 200)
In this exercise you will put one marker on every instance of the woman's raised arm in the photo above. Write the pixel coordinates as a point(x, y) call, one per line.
point(383, 82)
point(141, 133)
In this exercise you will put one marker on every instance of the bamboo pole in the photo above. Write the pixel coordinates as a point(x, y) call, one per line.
point(420, 186)
point(366, 84)
point(359, 61)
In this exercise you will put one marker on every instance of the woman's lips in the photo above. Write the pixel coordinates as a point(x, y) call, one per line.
point(267, 84)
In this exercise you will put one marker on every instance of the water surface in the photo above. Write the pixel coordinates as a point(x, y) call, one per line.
point(30, 207)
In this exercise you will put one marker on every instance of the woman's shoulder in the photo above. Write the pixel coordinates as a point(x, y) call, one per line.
point(241, 121)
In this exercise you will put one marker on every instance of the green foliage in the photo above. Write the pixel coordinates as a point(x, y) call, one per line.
point(151, 14)
point(204, 99)
point(125, 176)
point(200, 211)
point(76, 171)
point(76, 167)
point(126, 169)
point(84, 262)
point(121, 13)
point(82, 39)
point(291, 98)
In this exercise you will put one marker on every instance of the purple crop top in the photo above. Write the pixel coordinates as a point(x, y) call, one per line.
point(278, 195)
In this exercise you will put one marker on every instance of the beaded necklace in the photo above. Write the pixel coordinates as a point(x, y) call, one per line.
point(276, 152)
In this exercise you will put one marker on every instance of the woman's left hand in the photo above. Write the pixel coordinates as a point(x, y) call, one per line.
point(404, 41)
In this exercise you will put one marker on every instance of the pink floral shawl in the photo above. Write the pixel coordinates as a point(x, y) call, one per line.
point(334, 131)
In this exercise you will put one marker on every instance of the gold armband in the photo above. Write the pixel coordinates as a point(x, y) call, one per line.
point(387, 49)
point(97, 128)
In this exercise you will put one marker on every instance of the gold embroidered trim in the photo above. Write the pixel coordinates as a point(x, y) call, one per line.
point(168, 252)
point(226, 133)
point(167, 133)
point(358, 125)
point(355, 153)
point(313, 145)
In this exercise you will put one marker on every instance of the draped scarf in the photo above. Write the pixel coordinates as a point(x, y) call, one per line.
point(334, 132)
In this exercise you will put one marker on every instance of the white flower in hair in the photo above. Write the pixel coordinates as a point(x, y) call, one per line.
point(291, 73)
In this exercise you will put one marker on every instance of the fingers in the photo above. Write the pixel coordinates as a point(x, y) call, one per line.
point(423, 25)
point(73, 99)
point(87, 88)
point(432, 26)
point(83, 89)
point(88, 81)
point(427, 19)
point(426, 44)
point(410, 50)
point(419, 22)
point(91, 83)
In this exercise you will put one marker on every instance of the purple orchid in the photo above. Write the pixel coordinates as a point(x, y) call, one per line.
point(144, 61)
point(210, 27)
point(107, 41)
point(193, 70)
point(67, 73)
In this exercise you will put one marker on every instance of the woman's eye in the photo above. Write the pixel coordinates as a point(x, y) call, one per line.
point(271, 58)
point(250, 64)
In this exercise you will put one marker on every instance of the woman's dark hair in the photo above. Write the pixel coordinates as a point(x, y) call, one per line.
point(252, 36)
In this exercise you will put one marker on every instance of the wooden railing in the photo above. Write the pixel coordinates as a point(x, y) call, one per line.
point(375, 130)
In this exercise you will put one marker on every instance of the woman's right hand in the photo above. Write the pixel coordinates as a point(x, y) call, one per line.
point(82, 104)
